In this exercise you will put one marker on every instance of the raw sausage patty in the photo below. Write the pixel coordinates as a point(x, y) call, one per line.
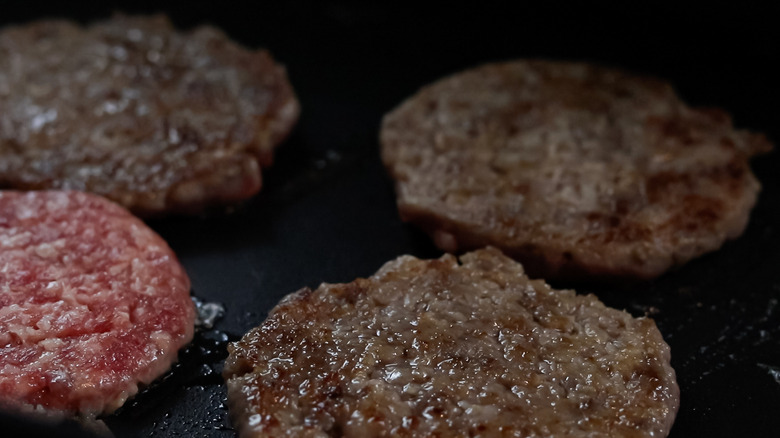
point(573, 169)
point(440, 348)
point(129, 108)
point(92, 303)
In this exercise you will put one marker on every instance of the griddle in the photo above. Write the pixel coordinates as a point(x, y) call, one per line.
point(327, 210)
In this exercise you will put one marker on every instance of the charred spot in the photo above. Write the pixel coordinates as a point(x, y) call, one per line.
point(271, 421)
point(13, 145)
point(622, 206)
point(700, 211)
point(351, 292)
point(521, 187)
point(497, 169)
point(622, 91)
point(593, 216)
point(736, 169)
point(336, 430)
point(617, 230)
point(658, 184)
point(190, 136)
point(568, 256)
point(335, 392)
point(431, 106)
point(669, 127)
point(732, 175)
point(414, 161)
point(487, 361)
point(112, 95)
point(647, 373)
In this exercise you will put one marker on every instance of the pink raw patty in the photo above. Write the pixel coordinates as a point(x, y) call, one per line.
point(92, 302)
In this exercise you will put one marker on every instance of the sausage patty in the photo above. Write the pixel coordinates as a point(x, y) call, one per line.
point(575, 170)
point(92, 303)
point(154, 119)
point(437, 348)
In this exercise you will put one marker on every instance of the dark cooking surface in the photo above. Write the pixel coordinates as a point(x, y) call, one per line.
point(327, 211)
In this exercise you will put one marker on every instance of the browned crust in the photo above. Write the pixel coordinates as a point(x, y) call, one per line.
point(165, 121)
point(324, 362)
point(554, 260)
point(641, 183)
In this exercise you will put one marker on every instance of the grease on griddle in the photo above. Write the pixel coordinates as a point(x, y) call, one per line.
point(199, 365)
point(743, 330)
point(209, 418)
point(207, 313)
point(773, 371)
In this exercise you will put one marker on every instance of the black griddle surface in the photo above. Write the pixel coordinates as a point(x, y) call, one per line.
point(327, 210)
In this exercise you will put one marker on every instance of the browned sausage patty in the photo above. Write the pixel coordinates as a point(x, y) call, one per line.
point(154, 119)
point(573, 169)
point(92, 303)
point(437, 348)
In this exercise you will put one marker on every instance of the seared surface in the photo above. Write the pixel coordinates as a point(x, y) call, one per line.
point(92, 303)
point(575, 170)
point(437, 348)
point(154, 119)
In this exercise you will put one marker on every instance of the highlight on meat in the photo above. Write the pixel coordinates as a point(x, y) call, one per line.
point(447, 348)
point(158, 120)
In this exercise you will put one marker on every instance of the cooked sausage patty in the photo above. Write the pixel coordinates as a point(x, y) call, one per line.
point(92, 303)
point(573, 169)
point(437, 348)
point(129, 108)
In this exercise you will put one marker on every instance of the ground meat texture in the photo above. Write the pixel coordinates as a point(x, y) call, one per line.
point(577, 171)
point(437, 348)
point(129, 108)
point(92, 303)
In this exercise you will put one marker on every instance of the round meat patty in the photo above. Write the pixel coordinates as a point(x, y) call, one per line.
point(92, 303)
point(437, 348)
point(154, 119)
point(577, 171)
